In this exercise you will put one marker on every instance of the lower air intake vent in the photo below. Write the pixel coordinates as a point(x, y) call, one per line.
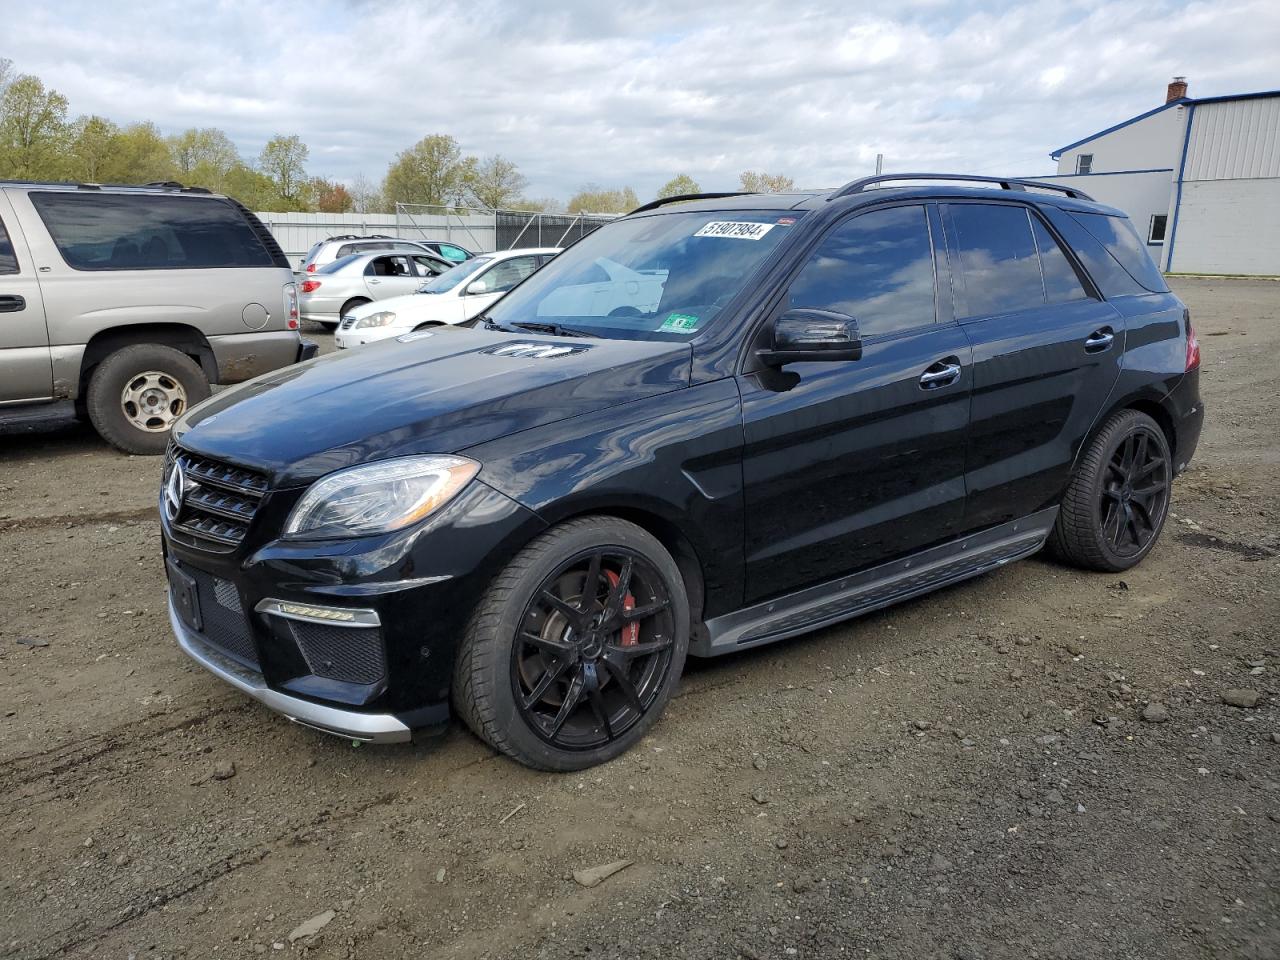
point(340, 653)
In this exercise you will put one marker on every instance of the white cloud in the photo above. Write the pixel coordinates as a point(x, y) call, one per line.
point(583, 91)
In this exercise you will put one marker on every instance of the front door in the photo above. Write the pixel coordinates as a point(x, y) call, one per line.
point(26, 370)
point(487, 286)
point(1046, 353)
point(848, 464)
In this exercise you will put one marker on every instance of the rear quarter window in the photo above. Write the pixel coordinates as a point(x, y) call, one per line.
point(1122, 242)
point(140, 232)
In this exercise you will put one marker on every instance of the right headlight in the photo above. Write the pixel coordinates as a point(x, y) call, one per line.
point(378, 497)
point(382, 318)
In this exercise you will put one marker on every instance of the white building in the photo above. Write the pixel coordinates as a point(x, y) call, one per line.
point(1200, 178)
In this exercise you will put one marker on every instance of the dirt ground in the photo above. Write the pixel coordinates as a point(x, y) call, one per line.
point(965, 776)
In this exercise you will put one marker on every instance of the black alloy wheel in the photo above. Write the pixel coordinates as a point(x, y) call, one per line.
point(1135, 493)
point(594, 649)
point(576, 647)
point(1118, 498)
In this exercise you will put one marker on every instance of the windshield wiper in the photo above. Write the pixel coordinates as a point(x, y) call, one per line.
point(490, 324)
point(555, 329)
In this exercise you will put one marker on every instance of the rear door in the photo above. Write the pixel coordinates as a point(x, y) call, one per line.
point(849, 464)
point(391, 275)
point(26, 369)
point(1046, 353)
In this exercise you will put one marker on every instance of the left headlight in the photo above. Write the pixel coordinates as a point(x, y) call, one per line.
point(378, 497)
point(382, 318)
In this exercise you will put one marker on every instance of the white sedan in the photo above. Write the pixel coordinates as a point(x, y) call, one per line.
point(456, 295)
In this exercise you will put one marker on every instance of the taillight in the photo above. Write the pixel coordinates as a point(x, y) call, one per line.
point(311, 268)
point(309, 285)
point(291, 305)
point(1193, 344)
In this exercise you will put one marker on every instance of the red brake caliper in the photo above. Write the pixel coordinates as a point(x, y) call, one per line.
point(631, 632)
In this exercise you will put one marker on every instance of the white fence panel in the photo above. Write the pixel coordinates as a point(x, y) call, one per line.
point(297, 232)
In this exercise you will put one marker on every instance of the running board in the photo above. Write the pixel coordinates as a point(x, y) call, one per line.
point(859, 593)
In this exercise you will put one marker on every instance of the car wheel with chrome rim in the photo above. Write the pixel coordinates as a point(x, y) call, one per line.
point(138, 392)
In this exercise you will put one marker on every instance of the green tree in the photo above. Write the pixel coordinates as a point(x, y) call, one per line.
point(95, 141)
point(432, 171)
point(678, 186)
point(496, 182)
point(592, 198)
point(760, 182)
point(284, 161)
point(206, 149)
point(141, 156)
point(253, 188)
point(33, 133)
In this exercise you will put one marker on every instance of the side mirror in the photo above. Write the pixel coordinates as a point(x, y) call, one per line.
point(804, 333)
point(478, 286)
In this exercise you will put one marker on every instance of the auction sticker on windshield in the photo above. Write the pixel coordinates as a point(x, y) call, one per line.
point(735, 229)
point(679, 323)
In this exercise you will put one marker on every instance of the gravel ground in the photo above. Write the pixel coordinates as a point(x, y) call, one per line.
point(1037, 763)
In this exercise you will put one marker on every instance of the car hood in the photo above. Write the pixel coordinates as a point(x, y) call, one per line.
point(437, 391)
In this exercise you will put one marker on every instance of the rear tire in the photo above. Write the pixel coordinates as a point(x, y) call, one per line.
point(1116, 504)
point(137, 393)
point(544, 647)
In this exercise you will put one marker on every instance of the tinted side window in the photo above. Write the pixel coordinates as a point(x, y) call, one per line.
point(877, 268)
point(998, 259)
point(8, 259)
point(1061, 285)
point(1108, 276)
point(139, 232)
point(1122, 242)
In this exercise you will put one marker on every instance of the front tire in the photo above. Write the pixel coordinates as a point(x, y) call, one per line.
point(577, 646)
point(1118, 499)
point(138, 392)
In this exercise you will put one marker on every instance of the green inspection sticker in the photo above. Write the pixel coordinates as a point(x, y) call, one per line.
point(679, 323)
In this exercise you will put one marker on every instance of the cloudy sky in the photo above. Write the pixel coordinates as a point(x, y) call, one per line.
point(631, 93)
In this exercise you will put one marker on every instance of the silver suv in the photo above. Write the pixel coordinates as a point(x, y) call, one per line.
point(128, 302)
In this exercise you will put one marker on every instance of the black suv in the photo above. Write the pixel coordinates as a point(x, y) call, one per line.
point(720, 421)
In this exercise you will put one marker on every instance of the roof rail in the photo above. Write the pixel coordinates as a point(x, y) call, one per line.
point(663, 201)
point(1006, 183)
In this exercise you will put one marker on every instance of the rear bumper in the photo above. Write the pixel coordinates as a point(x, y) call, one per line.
point(1187, 410)
point(368, 727)
point(243, 356)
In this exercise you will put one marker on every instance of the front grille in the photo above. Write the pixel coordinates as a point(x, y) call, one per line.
point(222, 616)
point(346, 322)
point(340, 653)
point(218, 501)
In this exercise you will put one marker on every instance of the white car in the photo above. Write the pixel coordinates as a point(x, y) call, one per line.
point(454, 296)
point(604, 287)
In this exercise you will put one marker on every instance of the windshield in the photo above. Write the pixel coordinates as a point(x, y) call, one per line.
point(663, 277)
point(451, 278)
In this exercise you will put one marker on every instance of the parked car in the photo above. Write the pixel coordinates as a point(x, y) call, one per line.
point(335, 248)
point(127, 302)
point(838, 401)
point(339, 287)
point(460, 294)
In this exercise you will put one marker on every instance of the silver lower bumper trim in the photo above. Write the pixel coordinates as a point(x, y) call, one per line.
point(351, 724)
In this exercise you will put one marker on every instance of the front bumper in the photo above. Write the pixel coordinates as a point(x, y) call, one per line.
point(367, 727)
point(346, 339)
point(375, 659)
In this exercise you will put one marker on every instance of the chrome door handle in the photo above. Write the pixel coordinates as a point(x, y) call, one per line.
point(940, 374)
point(1099, 340)
point(374, 280)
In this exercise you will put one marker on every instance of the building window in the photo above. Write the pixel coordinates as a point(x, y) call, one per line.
point(1084, 163)
point(1155, 231)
